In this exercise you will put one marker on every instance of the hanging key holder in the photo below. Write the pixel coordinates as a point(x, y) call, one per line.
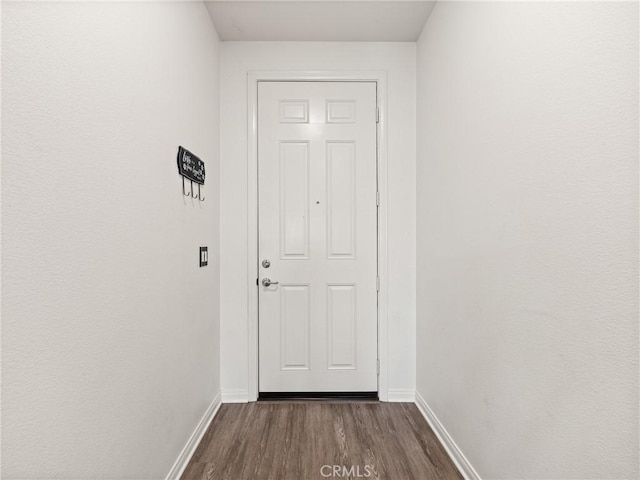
point(190, 168)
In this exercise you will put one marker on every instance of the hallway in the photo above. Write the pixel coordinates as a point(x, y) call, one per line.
point(431, 203)
point(307, 440)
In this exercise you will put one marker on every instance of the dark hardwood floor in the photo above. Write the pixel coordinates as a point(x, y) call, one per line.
point(317, 440)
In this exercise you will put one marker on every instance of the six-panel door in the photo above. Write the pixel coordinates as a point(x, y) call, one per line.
point(318, 231)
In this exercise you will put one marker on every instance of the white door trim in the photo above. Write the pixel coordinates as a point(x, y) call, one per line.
point(252, 228)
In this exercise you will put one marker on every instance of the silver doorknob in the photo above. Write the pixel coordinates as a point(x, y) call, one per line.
point(267, 282)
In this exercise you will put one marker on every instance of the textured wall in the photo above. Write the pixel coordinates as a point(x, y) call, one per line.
point(109, 328)
point(528, 235)
point(398, 59)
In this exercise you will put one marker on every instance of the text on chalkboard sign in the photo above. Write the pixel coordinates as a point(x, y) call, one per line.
point(190, 166)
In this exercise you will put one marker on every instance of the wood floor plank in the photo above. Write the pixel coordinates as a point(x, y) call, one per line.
point(302, 440)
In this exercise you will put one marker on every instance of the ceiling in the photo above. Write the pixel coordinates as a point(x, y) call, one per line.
point(315, 20)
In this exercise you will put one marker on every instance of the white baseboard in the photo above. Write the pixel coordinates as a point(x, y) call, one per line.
point(401, 395)
point(235, 396)
point(461, 462)
point(189, 449)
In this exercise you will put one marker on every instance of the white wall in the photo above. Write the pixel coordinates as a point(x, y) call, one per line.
point(110, 330)
point(528, 235)
point(398, 59)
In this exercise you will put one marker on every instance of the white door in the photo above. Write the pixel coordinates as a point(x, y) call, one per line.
point(317, 228)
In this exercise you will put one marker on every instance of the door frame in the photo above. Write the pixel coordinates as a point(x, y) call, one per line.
point(253, 77)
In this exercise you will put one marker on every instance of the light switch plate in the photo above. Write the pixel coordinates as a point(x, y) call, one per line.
point(204, 256)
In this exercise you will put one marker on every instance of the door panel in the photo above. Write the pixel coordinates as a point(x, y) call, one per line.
point(341, 205)
point(294, 200)
point(318, 230)
point(341, 319)
point(295, 317)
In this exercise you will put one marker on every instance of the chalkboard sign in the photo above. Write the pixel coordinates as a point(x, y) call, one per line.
point(190, 166)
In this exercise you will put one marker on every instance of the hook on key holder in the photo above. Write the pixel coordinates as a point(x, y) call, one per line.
point(184, 192)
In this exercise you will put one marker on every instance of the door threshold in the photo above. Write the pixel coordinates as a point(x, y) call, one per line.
point(343, 396)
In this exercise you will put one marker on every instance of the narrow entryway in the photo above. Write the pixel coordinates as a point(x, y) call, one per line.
point(316, 440)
